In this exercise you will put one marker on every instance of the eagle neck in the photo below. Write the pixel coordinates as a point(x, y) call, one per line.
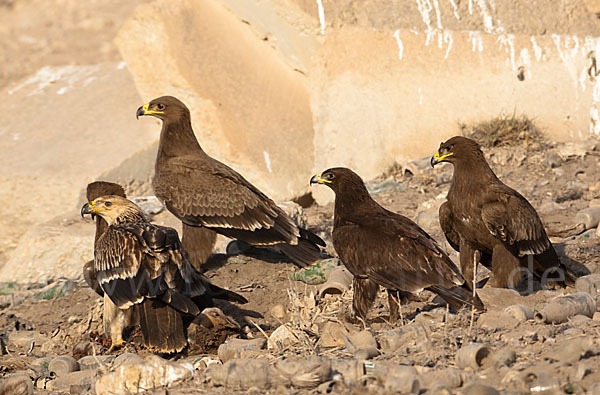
point(352, 202)
point(129, 217)
point(469, 174)
point(177, 139)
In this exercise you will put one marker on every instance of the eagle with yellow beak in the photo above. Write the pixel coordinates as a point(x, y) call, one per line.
point(484, 217)
point(141, 266)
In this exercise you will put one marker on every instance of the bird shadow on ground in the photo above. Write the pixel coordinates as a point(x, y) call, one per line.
point(216, 261)
point(577, 267)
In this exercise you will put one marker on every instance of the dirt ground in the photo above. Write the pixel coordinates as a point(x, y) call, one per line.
point(559, 180)
point(38, 323)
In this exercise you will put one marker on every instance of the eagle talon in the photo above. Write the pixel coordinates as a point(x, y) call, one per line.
point(116, 345)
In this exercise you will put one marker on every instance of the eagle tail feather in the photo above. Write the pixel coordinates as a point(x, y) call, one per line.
point(305, 253)
point(310, 236)
point(180, 302)
point(161, 326)
point(458, 297)
point(225, 294)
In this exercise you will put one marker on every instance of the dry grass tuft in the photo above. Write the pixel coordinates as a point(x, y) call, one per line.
point(504, 131)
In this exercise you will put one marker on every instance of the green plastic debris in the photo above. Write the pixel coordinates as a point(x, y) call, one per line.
point(317, 272)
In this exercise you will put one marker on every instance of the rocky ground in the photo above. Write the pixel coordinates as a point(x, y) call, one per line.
point(51, 336)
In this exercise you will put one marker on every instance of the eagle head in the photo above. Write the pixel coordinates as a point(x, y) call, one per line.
point(113, 209)
point(165, 108)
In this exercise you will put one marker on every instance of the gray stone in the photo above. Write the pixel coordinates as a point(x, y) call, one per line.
point(449, 377)
point(239, 348)
point(92, 362)
point(553, 159)
point(84, 378)
point(240, 374)
point(480, 389)
point(135, 376)
point(392, 340)
point(150, 205)
point(23, 340)
point(17, 384)
point(589, 284)
point(362, 344)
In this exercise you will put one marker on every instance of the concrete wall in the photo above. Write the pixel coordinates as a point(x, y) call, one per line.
point(281, 89)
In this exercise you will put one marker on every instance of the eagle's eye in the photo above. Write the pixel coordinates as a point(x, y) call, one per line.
point(107, 204)
point(329, 176)
point(160, 106)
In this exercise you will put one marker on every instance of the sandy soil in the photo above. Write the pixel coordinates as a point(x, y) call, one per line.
point(432, 336)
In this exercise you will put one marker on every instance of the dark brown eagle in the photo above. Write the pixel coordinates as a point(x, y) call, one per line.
point(203, 192)
point(484, 215)
point(142, 266)
point(380, 247)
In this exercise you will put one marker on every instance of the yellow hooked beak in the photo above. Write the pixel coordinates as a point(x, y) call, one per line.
point(317, 179)
point(143, 110)
point(89, 208)
point(437, 158)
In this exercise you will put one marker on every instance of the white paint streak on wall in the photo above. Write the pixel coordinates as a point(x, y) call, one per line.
point(470, 7)
point(425, 8)
point(400, 45)
point(507, 42)
point(430, 35)
point(476, 41)
point(449, 41)
point(524, 58)
point(537, 50)
point(268, 161)
point(321, 16)
point(568, 48)
point(488, 23)
point(438, 14)
point(455, 9)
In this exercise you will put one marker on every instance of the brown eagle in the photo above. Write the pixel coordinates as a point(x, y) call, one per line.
point(203, 192)
point(142, 266)
point(380, 247)
point(483, 215)
point(95, 190)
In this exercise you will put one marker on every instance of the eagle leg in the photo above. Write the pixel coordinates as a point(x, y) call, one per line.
point(198, 242)
point(365, 292)
point(396, 299)
point(506, 268)
point(114, 321)
point(467, 254)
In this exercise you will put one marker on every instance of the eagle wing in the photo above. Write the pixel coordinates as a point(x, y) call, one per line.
point(512, 219)
point(447, 225)
point(394, 252)
point(135, 261)
point(206, 192)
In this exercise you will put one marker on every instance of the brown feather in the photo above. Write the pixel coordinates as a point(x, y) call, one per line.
point(485, 215)
point(203, 192)
point(143, 265)
point(95, 190)
point(384, 248)
point(198, 243)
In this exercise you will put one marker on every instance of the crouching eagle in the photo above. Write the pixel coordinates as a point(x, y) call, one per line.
point(142, 267)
